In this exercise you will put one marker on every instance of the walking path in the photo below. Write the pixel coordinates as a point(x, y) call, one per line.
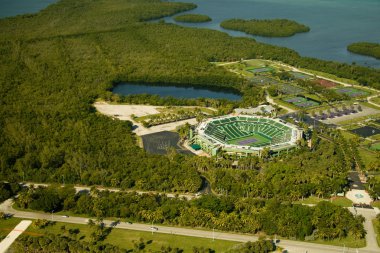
point(12, 236)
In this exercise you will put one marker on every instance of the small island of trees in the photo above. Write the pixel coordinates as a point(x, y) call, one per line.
point(265, 27)
point(365, 48)
point(192, 18)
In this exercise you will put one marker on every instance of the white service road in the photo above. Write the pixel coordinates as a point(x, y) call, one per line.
point(12, 236)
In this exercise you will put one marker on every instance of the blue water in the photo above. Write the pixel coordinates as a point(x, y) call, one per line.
point(177, 92)
point(10, 8)
point(334, 24)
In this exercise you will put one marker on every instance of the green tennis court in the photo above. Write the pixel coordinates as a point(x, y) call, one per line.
point(254, 140)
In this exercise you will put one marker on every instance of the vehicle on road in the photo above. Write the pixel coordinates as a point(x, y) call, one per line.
point(65, 216)
point(154, 228)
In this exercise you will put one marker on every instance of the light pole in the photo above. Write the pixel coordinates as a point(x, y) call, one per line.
point(52, 215)
point(213, 234)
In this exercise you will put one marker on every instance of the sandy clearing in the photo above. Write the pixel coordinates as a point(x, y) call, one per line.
point(124, 112)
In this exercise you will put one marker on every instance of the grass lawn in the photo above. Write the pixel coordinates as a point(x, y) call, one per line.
point(309, 201)
point(348, 135)
point(376, 204)
point(370, 105)
point(348, 242)
point(339, 201)
point(376, 146)
point(367, 156)
point(376, 100)
point(342, 201)
point(314, 97)
point(124, 238)
point(376, 224)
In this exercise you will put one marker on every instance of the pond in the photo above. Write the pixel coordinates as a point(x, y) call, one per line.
point(173, 91)
point(366, 131)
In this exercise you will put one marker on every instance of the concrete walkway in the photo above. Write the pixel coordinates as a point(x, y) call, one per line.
point(12, 236)
point(369, 215)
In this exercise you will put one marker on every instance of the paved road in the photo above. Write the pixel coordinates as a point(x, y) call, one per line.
point(369, 215)
point(12, 236)
point(291, 246)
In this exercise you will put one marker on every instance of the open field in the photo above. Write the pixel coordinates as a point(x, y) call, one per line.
point(125, 112)
point(376, 100)
point(367, 156)
point(339, 201)
point(124, 238)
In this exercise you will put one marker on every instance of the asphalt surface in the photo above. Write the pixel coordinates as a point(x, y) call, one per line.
point(291, 246)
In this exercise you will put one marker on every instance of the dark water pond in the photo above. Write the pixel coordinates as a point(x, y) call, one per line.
point(10, 8)
point(366, 131)
point(173, 91)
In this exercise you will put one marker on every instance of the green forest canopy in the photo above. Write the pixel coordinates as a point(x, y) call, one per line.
point(192, 18)
point(365, 48)
point(55, 63)
point(265, 27)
